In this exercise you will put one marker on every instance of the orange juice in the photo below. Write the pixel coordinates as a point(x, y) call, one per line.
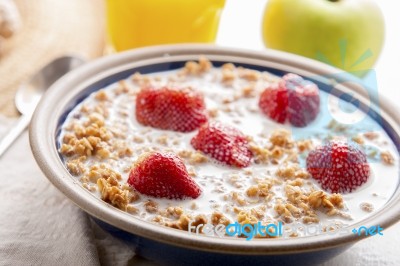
point(136, 23)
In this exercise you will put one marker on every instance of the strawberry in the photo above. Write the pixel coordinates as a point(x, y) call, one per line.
point(303, 100)
point(273, 102)
point(293, 99)
point(177, 109)
point(224, 143)
point(163, 175)
point(339, 166)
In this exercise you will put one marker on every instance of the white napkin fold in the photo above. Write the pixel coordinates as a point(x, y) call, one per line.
point(39, 225)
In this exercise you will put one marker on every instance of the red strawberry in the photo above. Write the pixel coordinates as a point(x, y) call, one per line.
point(293, 98)
point(339, 166)
point(273, 102)
point(303, 103)
point(223, 143)
point(163, 175)
point(175, 109)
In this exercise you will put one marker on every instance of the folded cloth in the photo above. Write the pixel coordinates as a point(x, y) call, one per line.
point(113, 251)
point(39, 225)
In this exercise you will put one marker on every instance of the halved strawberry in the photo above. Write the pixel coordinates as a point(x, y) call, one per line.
point(303, 102)
point(178, 109)
point(293, 98)
point(223, 143)
point(163, 175)
point(339, 166)
point(273, 102)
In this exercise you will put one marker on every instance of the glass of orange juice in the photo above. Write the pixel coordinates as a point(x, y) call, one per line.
point(137, 23)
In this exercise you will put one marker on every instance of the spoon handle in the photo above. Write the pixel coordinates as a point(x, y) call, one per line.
point(13, 134)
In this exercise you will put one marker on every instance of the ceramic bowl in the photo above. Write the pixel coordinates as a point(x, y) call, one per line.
point(174, 247)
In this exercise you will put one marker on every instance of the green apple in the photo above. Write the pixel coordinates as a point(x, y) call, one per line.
point(345, 33)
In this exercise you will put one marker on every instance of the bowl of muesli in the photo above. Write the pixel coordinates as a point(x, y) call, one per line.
point(199, 154)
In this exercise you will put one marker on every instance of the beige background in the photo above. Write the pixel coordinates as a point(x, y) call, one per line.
point(50, 28)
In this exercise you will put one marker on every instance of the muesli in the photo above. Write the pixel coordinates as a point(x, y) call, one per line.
point(215, 145)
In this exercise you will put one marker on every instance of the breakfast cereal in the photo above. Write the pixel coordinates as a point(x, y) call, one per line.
point(101, 141)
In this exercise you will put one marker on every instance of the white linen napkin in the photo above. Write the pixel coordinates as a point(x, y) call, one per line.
point(38, 225)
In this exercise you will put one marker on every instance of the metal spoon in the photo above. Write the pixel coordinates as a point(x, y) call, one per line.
point(29, 94)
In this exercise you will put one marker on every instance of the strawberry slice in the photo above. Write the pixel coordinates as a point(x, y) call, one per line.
point(339, 166)
point(293, 98)
point(274, 102)
point(177, 109)
point(303, 100)
point(163, 175)
point(224, 143)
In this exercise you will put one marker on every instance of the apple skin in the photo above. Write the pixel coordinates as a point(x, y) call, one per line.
point(335, 32)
